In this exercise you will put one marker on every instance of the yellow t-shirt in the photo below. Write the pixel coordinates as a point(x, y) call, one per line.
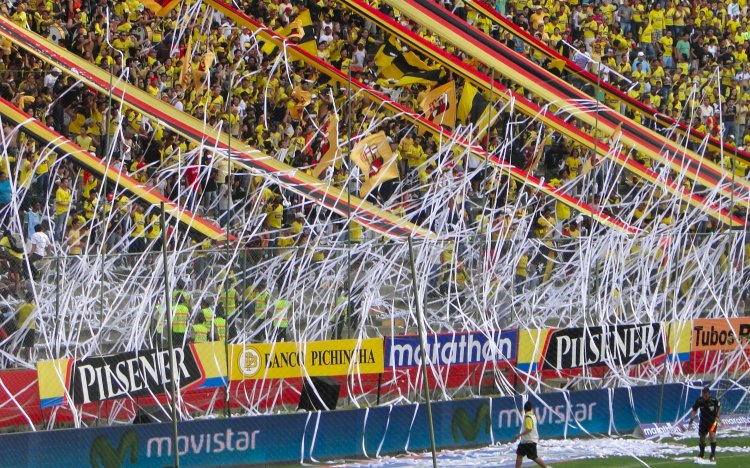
point(62, 201)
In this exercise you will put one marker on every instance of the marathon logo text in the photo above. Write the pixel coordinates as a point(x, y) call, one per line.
point(604, 346)
point(454, 348)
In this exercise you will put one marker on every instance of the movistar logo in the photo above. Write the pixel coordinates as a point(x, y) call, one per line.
point(470, 428)
point(104, 455)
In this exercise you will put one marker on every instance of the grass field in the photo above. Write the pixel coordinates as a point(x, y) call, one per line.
point(725, 457)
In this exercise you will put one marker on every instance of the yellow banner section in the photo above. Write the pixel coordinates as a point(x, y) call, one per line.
point(314, 358)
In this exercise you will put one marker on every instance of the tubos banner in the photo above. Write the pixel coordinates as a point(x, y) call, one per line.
point(616, 345)
point(725, 334)
point(313, 358)
point(131, 374)
point(452, 348)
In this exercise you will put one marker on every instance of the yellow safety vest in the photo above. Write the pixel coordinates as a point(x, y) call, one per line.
point(200, 333)
point(179, 323)
point(228, 299)
point(179, 292)
point(279, 313)
point(221, 328)
point(261, 304)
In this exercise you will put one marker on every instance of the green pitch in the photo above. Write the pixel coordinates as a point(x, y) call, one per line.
point(724, 458)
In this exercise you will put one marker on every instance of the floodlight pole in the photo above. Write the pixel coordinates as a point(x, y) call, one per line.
point(423, 352)
point(170, 343)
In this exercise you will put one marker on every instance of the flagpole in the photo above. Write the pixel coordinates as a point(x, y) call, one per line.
point(170, 342)
point(422, 346)
point(227, 230)
point(348, 315)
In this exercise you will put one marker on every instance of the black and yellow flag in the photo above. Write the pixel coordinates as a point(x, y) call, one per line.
point(300, 31)
point(556, 65)
point(160, 7)
point(375, 160)
point(473, 108)
point(399, 68)
point(439, 105)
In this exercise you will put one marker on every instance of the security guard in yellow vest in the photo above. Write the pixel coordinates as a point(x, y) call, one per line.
point(258, 298)
point(208, 318)
point(200, 329)
point(180, 321)
point(339, 314)
point(181, 295)
point(220, 328)
point(280, 322)
point(227, 304)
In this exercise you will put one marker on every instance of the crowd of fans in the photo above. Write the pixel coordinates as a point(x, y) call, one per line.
point(218, 72)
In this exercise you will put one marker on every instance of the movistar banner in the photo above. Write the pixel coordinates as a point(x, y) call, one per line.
point(452, 348)
point(305, 437)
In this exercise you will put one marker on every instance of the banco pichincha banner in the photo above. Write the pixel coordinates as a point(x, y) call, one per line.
point(130, 374)
point(313, 358)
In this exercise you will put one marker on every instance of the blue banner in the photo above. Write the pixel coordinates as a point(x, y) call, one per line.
point(452, 348)
point(358, 433)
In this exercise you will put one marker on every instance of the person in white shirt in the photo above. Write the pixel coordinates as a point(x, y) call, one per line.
point(529, 437)
point(41, 246)
point(50, 79)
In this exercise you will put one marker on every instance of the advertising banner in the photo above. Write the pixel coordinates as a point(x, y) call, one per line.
point(452, 348)
point(616, 345)
point(131, 374)
point(668, 429)
point(365, 432)
point(313, 358)
point(726, 334)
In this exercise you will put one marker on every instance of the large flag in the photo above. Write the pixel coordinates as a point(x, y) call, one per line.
point(439, 105)
point(160, 7)
point(202, 70)
point(301, 99)
point(333, 152)
point(473, 108)
point(375, 160)
point(399, 68)
point(300, 31)
point(185, 69)
point(407, 69)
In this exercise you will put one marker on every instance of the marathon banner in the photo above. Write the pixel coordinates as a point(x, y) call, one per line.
point(618, 345)
point(452, 349)
point(131, 374)
point(314, 358)
point(726, 334)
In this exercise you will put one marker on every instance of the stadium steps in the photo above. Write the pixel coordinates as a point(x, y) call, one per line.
point(500, 92)
point(66, 148)
point(552, 89)
point(421, 122)
point(240, 154)
point(590, 79)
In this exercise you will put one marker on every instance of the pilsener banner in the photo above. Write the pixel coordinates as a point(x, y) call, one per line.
point(314, 358)
point(726, 334)
point(131, 374)
point(617, 345)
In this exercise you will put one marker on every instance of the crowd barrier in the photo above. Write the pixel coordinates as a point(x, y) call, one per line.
point(358, 433)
